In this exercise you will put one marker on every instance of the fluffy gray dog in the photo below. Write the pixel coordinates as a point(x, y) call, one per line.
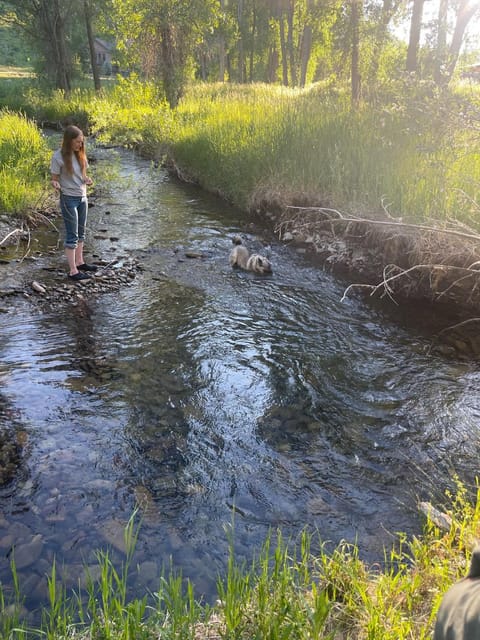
point(459, 613)
point(240, 257)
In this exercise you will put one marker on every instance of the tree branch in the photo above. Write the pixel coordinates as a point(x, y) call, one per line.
point(389, 223)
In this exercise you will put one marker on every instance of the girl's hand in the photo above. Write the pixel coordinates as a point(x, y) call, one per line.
point(88, 181)
point(56, 185)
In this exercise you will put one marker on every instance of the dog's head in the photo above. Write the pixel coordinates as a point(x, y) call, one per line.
point(259, 264)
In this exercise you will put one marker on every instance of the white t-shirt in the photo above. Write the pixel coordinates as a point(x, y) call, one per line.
point(70, 184)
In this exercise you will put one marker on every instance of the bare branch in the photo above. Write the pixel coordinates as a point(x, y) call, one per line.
point(355, 286)
point(456, 326)
point(389, 223)
point(12, 233)
point(387, 280)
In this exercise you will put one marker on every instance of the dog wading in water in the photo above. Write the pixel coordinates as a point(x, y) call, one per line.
point(240, 257)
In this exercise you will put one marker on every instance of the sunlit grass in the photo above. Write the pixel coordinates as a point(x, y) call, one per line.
point(23, 163)
point(132, 114)
point(420, 162)
point(415, 156)
point(16, 72)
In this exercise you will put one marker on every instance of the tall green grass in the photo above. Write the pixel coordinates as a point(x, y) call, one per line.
point(419, 160)
point(416, 155)
point(23, 164)
point(288, 592)
point(132, 114)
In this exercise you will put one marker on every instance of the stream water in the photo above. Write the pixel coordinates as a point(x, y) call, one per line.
point(215, 398)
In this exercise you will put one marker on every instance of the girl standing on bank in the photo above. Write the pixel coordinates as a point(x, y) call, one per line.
point(69, 177)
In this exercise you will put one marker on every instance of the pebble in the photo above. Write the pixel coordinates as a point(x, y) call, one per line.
point(36, 286)
point(110, 277)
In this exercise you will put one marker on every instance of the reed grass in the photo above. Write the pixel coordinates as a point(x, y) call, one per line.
point(293, 590)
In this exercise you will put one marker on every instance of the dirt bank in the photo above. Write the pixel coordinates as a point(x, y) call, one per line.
point(386, 257)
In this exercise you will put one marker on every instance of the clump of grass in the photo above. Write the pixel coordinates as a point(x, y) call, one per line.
point(288, 591)
point(132, 114)
point(23, 163)
point(57, 108)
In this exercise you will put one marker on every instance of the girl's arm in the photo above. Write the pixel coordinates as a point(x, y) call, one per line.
point(55, 181)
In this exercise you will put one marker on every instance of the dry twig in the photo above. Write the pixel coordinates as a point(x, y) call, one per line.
point(457, 326)
point(14, 232)
point(385, 283)
point(390, 223)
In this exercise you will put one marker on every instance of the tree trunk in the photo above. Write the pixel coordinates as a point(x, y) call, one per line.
point(63, 71)
point(52, 34)
point(91, 46)
point(441, 52)
point(466, 11)
point(241, 47)
point(221, 50)
point(356, 79)
point(221, 58)
point(290, 47)
point(283, 48)
point(305, 51)
point(252, 48)
point(170, 70)
point(414, 39)
point(273, 63)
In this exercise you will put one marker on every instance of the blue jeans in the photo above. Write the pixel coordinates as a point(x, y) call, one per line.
point(74, 212)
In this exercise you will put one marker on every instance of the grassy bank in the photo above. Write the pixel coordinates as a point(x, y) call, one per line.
point(413, 154)
point(288, 592)
point(416, 156)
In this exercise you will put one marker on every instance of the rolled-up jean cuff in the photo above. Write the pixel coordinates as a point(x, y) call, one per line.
point(74, 211)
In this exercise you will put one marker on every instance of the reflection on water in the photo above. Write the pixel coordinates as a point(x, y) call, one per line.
point(209, 396)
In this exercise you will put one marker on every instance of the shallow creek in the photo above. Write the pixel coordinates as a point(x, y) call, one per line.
point(215, 398)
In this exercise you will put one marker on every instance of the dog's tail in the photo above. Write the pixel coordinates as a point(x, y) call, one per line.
point(237, 240)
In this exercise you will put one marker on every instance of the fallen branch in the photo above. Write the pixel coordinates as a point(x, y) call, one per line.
point(385, 283)
point(458, 325)
point(28, 246)
point(389, 223)
point(14, 232)
point(46, 219)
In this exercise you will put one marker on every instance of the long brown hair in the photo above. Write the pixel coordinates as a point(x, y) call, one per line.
point(70, 133)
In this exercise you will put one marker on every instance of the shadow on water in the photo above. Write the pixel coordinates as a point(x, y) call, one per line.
point(206, 395)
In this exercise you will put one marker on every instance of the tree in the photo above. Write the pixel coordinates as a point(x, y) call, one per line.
point(44, 22)
point(441, 52)
point(159, 37)
point(356, 12)
point(88, 23)
point(466, 11)
point(388, 10)
point(415, 32)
